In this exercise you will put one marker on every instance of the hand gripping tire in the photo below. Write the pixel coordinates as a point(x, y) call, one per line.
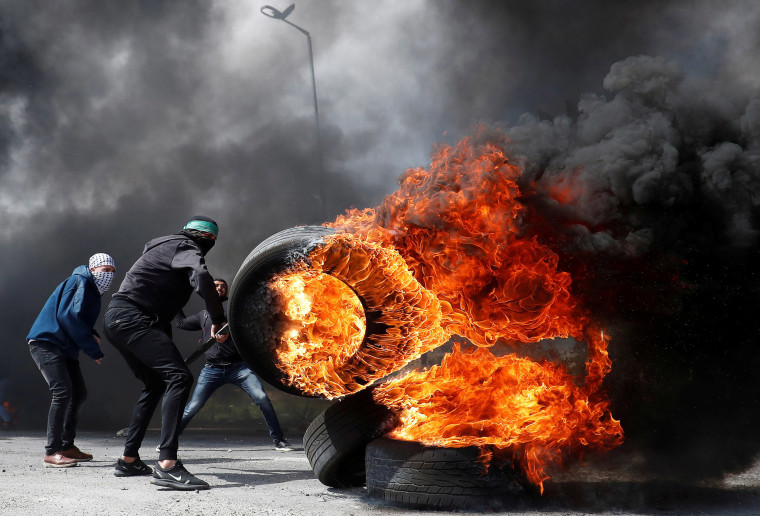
point(413, 475)
point(335, 441)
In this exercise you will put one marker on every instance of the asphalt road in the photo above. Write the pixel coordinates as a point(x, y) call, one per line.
point(248, 476)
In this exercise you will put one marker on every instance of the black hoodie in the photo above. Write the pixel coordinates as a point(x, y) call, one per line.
point(163, 278)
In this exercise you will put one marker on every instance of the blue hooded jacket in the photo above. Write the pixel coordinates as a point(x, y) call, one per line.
point(69, 315)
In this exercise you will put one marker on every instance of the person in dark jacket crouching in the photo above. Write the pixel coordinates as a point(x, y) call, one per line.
point(224, 365)
point(138, 324)
point(65, 326)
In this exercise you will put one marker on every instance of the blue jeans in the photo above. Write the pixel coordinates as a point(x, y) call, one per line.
point(212, 377)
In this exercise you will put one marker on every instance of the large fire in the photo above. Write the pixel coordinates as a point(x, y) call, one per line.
point(532, 411)
point(320, 346)
point(451, 253)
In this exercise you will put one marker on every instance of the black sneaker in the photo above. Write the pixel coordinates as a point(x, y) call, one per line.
point(283, 445)
point(131, 469)
point(177, 477)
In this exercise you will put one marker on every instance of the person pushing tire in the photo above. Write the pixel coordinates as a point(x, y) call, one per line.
point(138, 324)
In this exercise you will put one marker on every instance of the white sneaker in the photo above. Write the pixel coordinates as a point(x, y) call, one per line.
point(283, 445)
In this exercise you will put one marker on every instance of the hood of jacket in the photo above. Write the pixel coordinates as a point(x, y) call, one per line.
point(85, 272)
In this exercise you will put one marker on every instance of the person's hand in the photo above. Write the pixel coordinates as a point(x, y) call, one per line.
point(219, 338)
point(98, 361)
point(97, 339)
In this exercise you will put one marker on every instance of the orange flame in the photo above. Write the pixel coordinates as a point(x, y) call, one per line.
point(458, 227)
point(452, 252)
point(312, 351)
point(534, 409)
point(317, 309)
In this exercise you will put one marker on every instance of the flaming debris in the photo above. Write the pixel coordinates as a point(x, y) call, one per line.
point(532, 410)
point(448, 254)
point(459, 228)
point(638, 214)
point(325, 309)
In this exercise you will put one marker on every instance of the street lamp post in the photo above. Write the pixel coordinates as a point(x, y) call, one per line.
point(271, 12)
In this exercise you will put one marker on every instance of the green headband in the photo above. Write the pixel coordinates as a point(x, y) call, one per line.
point(202, 225)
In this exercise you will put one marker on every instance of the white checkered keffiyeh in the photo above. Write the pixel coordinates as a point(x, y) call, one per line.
point(103, 280)
point(98, 259)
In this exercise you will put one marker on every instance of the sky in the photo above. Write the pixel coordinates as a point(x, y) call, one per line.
point(121, 120)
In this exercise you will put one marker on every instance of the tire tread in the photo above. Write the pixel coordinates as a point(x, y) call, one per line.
point(414, 475)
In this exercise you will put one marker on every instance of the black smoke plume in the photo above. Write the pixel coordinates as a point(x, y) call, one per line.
point(652, 194)
point(118, 120)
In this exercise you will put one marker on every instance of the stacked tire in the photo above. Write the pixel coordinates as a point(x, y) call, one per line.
point(418, 476)
point(336, 440)
point(346, 448)
point(345, 444)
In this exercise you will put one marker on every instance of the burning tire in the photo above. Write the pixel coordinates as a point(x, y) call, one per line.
point(416, 476)
point(335, 441)
point(395, 319)
point(270, 257)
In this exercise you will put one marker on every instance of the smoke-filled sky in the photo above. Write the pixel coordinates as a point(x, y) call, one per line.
point(120, 120)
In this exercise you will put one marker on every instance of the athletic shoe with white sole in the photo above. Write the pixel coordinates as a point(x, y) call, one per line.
point(177, 477)
point(131, 469)
point(283, 445)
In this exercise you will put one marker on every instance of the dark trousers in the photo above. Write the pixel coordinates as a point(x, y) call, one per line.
point(156, 362)
point(64, 378)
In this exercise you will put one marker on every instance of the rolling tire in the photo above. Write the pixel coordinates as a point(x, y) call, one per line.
point(335, 441)
point(413, 475)
point(402, 319)
point(272, 256)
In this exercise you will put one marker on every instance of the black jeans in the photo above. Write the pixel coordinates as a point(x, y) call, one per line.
point(64, 378)
point(156, 362)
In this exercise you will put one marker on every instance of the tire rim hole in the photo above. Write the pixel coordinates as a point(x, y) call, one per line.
point(320, 322)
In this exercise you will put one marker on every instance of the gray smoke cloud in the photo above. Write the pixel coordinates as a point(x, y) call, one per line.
point(662, 141)
point(119, 121)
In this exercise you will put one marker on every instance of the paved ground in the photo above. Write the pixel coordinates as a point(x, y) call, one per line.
point(249, 477)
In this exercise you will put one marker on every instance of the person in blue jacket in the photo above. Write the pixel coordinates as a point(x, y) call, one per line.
point(65, 326)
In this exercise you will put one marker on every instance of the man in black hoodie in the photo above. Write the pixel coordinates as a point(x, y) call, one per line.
point(138, 324)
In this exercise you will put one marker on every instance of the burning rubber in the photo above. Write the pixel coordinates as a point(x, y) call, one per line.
point(394, 321)
point(457, 251)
